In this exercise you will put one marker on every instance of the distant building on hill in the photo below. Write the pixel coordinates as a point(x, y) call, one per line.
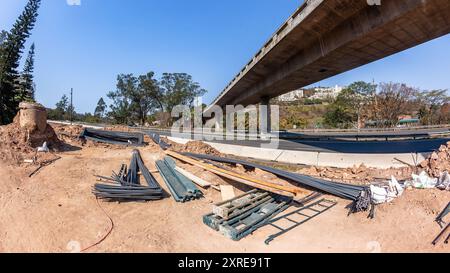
point(292, 96)
point(319, 93)
point(316, 93)
point(322, 93)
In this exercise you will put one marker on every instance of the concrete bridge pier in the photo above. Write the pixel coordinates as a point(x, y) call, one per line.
point(265, 120)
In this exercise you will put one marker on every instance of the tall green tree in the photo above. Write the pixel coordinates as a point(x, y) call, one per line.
point(351, 105)
point(10, 55)
point(26, 88)
point(358, 96)
point(179, 89)
point(135, 98)
point(340, 113)
point(147, 98)
point(120, 109)
point(100, 109)
point(149, 87)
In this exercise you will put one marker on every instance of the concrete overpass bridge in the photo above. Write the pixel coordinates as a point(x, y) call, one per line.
point(324, 38)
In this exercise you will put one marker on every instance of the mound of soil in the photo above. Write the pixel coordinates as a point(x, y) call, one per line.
point(438, 162)
point(196, 147)
point(119, 128)
point(68, 133)
point(17, 144)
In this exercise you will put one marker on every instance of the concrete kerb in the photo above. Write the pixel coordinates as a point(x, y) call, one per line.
point(382, 161)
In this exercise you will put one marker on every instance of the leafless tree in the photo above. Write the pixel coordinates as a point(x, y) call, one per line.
point(393, 100)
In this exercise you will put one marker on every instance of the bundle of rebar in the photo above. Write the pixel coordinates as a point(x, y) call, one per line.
point(126, 186)
point(181, 187)
point(441, 222)
point(440, 217)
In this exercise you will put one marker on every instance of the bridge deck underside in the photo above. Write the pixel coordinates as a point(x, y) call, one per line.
point(337, 36)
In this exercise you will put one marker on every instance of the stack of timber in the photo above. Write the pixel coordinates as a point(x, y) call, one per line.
point(241, 216)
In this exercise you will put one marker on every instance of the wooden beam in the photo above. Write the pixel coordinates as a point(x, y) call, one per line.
point(197, 180)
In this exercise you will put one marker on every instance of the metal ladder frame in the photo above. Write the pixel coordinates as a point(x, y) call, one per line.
point(298, 212)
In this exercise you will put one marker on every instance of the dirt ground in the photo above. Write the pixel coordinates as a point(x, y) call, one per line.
point(55, 211)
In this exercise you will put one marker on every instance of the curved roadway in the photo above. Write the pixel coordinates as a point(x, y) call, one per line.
point(344, 146)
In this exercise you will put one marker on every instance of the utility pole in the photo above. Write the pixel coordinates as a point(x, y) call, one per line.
point(71, 106)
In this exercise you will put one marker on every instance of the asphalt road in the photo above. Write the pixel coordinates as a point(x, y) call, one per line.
point(419, 133)
point(342, 146)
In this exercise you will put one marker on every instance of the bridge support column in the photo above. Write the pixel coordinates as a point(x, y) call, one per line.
point(265, 121)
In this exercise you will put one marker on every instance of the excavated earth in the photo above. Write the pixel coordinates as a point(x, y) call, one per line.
point(438, 162)
point(55, 211)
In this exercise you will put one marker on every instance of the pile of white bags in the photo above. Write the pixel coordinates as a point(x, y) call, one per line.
point(387, 193)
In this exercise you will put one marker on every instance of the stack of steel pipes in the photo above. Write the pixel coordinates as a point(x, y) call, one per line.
point(112, 137)
point(181, 187)
point(125, 186)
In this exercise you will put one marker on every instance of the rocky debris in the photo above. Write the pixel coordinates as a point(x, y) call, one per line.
point(356, 174)
point(196, 147)
point(438, 162)
point(119, 128)
point(69, 133)
point(360, 175)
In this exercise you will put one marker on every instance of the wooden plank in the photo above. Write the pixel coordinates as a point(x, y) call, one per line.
point(227, 192)
point(236, 198)
point(282, 190)
point(235, 207)
point(197, 180)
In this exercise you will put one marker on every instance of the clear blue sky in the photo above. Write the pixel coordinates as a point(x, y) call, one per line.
point(86, 46)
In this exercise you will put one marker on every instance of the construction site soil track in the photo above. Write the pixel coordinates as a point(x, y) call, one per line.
point(54, 211)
